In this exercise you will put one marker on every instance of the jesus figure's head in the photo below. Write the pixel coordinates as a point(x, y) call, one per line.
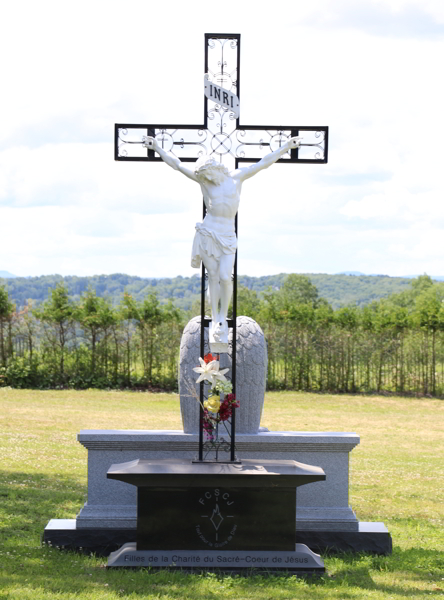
point(207, 168)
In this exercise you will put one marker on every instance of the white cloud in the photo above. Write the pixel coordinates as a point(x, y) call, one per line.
point(85, 174)
point(387, 18)
point(79, 240)
point(395, 201)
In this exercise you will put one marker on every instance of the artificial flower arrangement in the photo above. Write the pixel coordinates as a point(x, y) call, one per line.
point(215, 410)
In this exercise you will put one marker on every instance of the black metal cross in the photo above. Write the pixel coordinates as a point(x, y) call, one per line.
point(221, 134)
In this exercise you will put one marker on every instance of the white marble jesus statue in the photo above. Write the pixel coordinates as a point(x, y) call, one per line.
point(215, 240)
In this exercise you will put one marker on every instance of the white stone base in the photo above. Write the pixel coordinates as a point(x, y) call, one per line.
point(321, 506)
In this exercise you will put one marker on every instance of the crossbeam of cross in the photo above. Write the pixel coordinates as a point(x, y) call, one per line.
point(221, 135)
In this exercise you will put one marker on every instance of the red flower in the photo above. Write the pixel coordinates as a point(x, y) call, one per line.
point(226, 407)
point(208, 426)
point(208, 358)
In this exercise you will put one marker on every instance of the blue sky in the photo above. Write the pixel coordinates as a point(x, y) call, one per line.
point(369, 70)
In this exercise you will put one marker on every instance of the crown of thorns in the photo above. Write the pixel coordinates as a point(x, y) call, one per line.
point(208, 162)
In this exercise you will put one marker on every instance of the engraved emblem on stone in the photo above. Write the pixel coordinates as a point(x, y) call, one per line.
point(214, 515)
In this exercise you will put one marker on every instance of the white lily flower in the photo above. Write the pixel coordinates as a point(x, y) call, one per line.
point(210, 372)
point(220, 375)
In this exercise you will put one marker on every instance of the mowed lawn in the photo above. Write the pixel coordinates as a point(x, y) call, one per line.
point(397, 476)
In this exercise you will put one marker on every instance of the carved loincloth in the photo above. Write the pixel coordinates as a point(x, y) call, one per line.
point(212, 244)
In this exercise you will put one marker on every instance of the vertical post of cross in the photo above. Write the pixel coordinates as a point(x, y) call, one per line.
point(204, 322)
point(233, 358)
point(202, 353)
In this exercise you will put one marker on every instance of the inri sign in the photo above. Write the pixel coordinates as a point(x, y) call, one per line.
point(222, 96)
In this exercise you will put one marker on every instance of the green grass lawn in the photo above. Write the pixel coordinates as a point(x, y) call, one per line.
point(396, 477)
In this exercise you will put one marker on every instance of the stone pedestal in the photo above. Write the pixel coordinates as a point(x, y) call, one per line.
point(183, 506)
point(324, 518)
point(321, 506)
point(234, 515)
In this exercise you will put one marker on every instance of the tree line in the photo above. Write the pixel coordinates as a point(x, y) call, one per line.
point(391, 345)
point(89, 343)
point(338, 290)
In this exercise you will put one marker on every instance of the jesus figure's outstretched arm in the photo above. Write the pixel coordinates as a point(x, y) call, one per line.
point(172, 161)
point(246, 172)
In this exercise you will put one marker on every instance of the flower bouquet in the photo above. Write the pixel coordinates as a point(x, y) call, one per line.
point(218, 408)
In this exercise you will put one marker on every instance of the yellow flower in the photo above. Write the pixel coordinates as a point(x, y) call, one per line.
point(212, 404)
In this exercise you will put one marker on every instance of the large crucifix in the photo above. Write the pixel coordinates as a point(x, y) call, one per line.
point(219, 143)
point(217, 148)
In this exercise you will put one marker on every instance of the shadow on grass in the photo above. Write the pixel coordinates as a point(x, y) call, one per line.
point(417, 564)
point(29, 501)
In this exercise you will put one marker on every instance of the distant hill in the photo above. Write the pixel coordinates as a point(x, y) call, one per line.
point(358, 273)
point(339, 290)
point(7, 275)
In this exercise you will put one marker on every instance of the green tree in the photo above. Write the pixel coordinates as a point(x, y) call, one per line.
point(148, 316)
point(29, 327)
point(399, 318)
point(96, 316)
point(269, 321)
point(169, 335)
point(7, 310)
point(58, 313)
point(248, 302)
point(298, 289)
point(347, 319)
point(421, 284)
point(429, 316)
point(324, 319)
